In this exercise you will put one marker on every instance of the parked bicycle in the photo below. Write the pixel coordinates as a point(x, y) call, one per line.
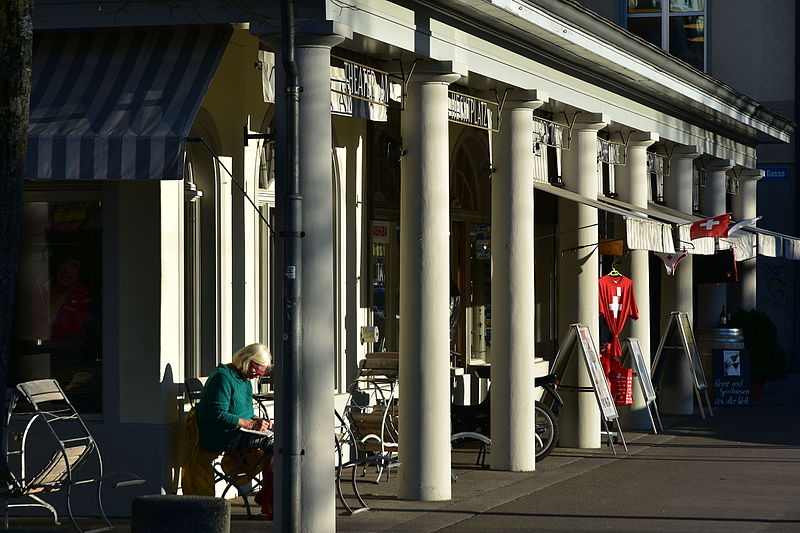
point(476, 418)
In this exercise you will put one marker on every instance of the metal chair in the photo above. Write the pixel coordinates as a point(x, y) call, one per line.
point(350, 456)
point(75, 448)
point(372, 411)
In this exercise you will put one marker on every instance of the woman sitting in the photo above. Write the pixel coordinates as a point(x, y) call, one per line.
point(226, 408)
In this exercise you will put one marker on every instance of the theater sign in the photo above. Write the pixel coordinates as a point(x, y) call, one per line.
point(360, 91)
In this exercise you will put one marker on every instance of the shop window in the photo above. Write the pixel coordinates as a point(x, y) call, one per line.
point(57, 323)
point(677, 26)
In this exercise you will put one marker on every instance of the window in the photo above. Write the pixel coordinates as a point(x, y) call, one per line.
point(657, 169)
point(677, 26)
point(57, 325)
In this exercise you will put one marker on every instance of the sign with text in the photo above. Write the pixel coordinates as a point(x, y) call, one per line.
point(731, 376)
point(775, 173)
point(635, 349)
point(579, 335)
point(359, 91)
point(598, 376)
point(471, 111)
point(549, 133)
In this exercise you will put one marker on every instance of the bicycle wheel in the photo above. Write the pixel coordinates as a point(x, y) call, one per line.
point(546, 431)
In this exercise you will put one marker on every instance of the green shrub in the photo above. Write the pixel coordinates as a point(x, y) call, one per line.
point(767, 359)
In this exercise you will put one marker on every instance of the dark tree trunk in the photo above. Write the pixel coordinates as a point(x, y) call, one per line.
point(16, 36)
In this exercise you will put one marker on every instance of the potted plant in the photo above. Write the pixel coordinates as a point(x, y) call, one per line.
point(768, 361)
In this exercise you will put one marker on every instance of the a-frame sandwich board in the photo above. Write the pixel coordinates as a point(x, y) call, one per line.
point(679, 325)
point(633, 350)
point(579, 336)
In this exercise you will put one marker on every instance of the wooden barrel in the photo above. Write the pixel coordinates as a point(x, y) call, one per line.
point(716, 338)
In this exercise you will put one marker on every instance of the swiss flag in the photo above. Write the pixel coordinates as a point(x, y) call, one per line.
point(711, 227)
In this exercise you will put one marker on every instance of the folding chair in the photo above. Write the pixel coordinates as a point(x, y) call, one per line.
point(75, 448)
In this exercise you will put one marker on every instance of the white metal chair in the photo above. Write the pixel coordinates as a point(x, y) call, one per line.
point(44, 401)
point(372, 410)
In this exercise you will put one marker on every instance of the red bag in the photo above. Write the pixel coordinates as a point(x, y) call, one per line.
point(622, 385)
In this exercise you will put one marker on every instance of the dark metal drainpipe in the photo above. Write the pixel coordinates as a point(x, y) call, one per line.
point(292, 256)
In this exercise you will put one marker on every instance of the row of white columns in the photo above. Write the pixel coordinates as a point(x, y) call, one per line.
point(424, 278)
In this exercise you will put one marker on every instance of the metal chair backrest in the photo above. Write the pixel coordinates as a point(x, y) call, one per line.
point(194, 387)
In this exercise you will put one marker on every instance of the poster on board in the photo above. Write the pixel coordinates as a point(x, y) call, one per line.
point(731, 377)
point(604, 397)
point(635, 349)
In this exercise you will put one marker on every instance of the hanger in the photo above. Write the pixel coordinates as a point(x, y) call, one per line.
point(614, 273)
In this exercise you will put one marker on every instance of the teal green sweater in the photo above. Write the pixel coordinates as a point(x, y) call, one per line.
point(226, 398)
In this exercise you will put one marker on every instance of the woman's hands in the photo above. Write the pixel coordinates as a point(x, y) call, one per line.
point(257, 424)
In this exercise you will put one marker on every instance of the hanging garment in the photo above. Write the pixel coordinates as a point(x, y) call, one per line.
point(617, 303)
point(671, 260)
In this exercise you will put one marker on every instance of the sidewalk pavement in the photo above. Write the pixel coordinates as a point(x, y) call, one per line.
point(738, 471)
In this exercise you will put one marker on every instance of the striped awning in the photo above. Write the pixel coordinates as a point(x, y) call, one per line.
point(118, 104)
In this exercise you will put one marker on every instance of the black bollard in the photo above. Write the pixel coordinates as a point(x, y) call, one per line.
point(169, 513)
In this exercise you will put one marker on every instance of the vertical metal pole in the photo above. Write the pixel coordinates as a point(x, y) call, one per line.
point(292, 254)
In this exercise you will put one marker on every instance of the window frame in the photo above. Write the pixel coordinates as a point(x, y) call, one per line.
point(664, 18)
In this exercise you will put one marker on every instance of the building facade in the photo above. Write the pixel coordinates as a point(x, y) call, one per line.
point(479, 148)
point(762, 66)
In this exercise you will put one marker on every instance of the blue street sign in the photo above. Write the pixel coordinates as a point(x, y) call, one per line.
point(775, 173)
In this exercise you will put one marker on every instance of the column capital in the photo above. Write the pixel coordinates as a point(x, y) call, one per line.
point(684, 151)
point(525, 98)
point(434, 71)
point(720, 165)
point(751, 174)
point(641, 139)
point(590, 121)
point(309, 32)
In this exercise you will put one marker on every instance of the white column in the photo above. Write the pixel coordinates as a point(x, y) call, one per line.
point(425, 285)
point(633, 188)
point(513, 322)
point(579, 271)
point(711, 298)
point(744, 207)
point(317, 505)
point(677, 291)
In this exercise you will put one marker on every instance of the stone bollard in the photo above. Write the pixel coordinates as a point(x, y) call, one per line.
point(154, 513)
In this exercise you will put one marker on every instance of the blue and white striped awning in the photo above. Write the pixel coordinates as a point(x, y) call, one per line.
point(118, 104)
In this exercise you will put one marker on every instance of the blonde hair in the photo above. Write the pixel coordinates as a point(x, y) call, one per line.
point(257, 353)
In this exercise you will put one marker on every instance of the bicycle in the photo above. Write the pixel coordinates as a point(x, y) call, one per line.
point(476, 418)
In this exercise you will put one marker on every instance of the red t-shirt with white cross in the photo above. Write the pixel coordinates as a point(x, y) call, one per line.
point(617, 303)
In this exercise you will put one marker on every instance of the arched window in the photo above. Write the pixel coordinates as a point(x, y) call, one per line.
point(470, 195)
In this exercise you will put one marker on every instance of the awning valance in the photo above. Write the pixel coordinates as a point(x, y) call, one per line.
point(775, 244)
point(118, 104)
point(642, 233)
